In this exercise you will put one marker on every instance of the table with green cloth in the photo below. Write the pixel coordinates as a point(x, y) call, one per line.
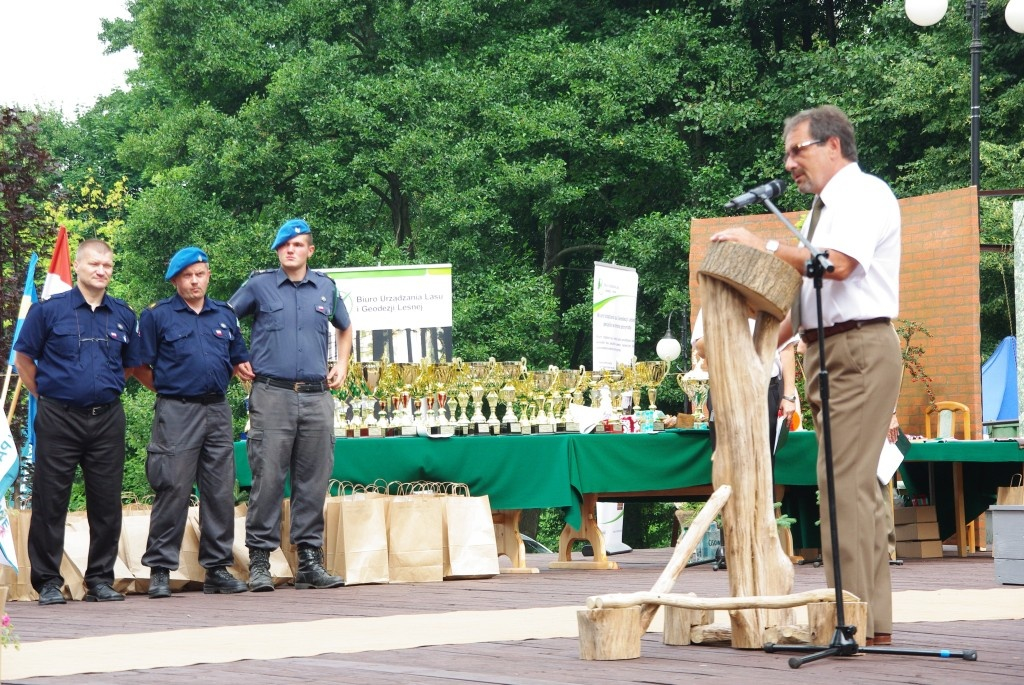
point(542, 471)
point(960, 478)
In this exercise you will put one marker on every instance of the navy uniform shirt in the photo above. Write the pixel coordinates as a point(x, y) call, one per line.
point(290, 322)
point(191, 353)
point(80, 354)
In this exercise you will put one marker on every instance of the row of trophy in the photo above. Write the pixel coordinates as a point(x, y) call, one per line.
point(492, 397)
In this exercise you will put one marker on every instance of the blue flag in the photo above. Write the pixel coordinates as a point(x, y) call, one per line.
point(8, 474)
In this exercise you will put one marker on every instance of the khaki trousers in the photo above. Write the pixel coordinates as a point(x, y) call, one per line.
point(864, 368)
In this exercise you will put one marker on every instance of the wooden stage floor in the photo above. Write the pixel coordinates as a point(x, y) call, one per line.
point(999, 643)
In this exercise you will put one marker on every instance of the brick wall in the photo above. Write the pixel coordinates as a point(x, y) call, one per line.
point(938, 289)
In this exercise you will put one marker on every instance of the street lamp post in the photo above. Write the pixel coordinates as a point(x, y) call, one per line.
point(928, 12)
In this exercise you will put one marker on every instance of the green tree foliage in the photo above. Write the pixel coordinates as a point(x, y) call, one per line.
point(521, 141)
point(26, 182)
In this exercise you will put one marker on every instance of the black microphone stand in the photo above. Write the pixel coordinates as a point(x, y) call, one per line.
point(843, 642)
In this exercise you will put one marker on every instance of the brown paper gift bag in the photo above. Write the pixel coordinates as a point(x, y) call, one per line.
point(415, 538)
point(1013, 494)
point(188, 561)
point(76, 559)
point(132, 545)
point(289, 549)
point(19, 583)
point(361, 542)
point(470, 547)
point(280, 571)
point(332, 518)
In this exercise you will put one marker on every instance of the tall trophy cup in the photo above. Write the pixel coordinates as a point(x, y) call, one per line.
point(695, 384)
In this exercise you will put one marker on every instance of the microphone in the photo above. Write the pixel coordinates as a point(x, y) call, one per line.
point(767, 191)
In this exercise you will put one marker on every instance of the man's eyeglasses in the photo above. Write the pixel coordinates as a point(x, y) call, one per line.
point(795, 150)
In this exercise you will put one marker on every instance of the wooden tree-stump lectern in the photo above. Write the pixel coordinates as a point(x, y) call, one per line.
point(737, 283)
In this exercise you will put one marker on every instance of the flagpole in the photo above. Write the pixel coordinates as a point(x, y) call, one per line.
point(7, 384)
point(14, 401)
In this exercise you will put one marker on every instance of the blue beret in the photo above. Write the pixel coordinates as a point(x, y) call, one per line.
point(289, 230)
point(184, 258)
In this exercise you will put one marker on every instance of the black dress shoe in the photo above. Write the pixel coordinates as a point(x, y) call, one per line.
point(159, 583)
point(103, 593)
point(219, 580)
point(50, 594)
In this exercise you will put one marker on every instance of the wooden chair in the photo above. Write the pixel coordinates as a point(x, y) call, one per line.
point(946, 413)
point(972, 537)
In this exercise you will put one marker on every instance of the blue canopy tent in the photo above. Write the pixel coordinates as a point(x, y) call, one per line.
point(999, 384)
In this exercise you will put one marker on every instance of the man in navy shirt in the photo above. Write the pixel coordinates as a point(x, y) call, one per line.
point(291, 410)
point(73, 354)
point(189, 345)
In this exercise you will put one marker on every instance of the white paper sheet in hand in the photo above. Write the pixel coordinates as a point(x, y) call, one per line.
point(888, 461)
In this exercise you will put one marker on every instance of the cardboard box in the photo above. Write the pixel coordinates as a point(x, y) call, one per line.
point(929, 530)
point(919, 549)
point(905, 515)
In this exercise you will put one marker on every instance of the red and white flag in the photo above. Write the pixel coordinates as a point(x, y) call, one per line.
point(58, 278)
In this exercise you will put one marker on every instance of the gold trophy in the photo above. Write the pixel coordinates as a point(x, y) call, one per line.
point(479, 373)
point(443, 375)
point(409, 374)
point(542, 383)
point(371, 381)
point(510, 373)
point(695, 384)
point(570, 380)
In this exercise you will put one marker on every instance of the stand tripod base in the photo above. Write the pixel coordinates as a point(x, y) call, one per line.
point(843, 644)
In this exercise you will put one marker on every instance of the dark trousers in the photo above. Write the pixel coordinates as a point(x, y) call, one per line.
point(291, 435)
point(774, 399)
point(66, 439)
point(191, 443)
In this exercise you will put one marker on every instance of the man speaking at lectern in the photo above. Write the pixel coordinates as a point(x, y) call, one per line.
point(856, 218)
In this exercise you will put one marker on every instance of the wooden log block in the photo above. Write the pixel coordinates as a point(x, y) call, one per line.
point(767, 283)
point(609, 634)
point(716, 632)
point(822, 621)
point(679, 622)
point(787, 635)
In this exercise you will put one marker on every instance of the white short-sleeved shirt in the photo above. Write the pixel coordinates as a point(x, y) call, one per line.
point(861, 219)
point(698, 333)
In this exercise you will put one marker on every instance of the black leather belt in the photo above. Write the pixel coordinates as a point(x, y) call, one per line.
point(295, 386)
point(211, 398)
point(94, 410)
point(811, 336)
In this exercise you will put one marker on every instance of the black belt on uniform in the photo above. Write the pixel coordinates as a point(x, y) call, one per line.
point(94, 410)
point(811, 336)
point(296, 386)
point(209, 398)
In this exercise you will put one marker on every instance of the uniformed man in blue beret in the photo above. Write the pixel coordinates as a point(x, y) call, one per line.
point(189, 347)
point(291, 410)
point(74, 354)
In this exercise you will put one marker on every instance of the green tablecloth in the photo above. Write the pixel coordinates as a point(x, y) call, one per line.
point(541, 471)
point(987, 464)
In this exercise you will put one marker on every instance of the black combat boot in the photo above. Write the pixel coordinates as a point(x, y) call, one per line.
point(259, 570)
point(220, 581)
point(159, 583)
point(311, 572)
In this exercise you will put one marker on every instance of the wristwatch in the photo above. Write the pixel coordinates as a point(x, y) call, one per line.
point(771, 246)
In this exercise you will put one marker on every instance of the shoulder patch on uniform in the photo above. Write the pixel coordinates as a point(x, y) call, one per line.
point(259, 272)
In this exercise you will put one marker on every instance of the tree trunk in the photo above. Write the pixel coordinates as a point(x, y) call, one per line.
point(739, 368)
